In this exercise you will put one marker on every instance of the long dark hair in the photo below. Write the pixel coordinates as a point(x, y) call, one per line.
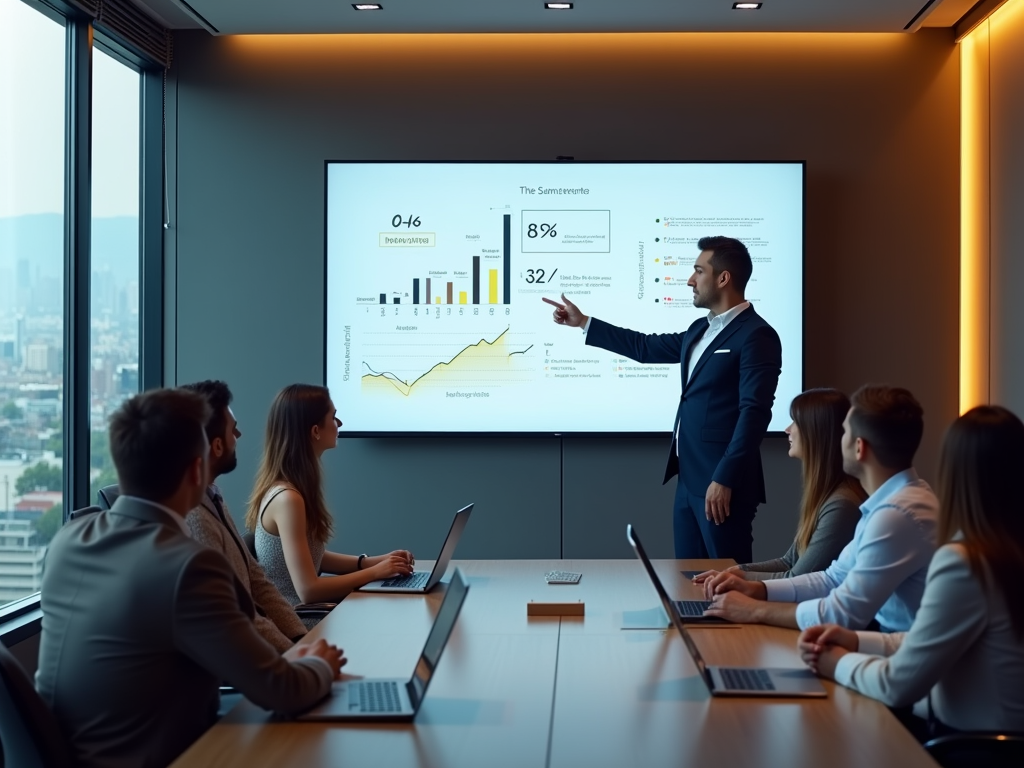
point(288, 455)
point(979, 497)
point(818, 415)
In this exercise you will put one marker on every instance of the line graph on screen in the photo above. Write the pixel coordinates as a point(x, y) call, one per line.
point(410, 367)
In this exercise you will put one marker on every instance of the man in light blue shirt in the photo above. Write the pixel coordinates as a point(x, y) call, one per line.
point(879, 576)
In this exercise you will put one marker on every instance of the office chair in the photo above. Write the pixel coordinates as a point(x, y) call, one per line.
point(83, 512)
point(106, 496)
point(28, 730)
point(972, 750)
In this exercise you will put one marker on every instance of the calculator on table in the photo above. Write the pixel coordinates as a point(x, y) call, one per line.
point(562, 577)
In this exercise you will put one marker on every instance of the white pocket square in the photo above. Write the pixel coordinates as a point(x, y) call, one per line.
point(722, 351)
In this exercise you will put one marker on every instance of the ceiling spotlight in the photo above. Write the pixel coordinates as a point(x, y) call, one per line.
point(368, 6)
point(746, 6)
point(558, 6)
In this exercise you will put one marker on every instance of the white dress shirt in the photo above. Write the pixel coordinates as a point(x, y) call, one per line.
point(716, 324)
point(881, 573)
point(961, 648)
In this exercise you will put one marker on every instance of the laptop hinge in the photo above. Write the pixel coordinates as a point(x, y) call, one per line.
point(410, 689)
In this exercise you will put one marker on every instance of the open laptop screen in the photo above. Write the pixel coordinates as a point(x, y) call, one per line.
point(454, 596)
point(666, 601)
point(448, 550)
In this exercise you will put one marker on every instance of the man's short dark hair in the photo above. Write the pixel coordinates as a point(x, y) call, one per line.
point(154, 438)
point(891, 421)
point(219, 397)
point(729, 255)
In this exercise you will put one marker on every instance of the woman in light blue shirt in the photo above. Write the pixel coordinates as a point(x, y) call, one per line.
point(961, 664)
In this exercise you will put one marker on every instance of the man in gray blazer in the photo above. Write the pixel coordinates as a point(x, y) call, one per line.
point(140, 622)
point(211, 524)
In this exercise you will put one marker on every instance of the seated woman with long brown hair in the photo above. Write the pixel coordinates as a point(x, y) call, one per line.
point(287, 512)
point(830, 505)
point(961, 664)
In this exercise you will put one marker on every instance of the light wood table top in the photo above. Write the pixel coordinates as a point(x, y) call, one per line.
point(520, 692)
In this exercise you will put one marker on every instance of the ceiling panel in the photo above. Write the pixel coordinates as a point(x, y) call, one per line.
point(425, 16)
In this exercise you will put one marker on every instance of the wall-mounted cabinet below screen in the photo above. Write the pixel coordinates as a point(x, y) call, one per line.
point(436, 271)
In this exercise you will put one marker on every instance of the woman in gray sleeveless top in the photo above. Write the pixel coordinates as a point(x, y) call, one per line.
point(287, 512)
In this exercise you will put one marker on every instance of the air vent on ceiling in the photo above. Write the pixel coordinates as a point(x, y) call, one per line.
point(135, 28)
point(92, 7)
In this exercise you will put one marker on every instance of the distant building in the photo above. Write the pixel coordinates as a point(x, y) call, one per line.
point(128, 379)
point(38, 501)
point(21, 561)
point(42, 358)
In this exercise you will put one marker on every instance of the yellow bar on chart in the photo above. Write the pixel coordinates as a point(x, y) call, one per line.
point(493, 286)
point(462, 297)
point(437, 299)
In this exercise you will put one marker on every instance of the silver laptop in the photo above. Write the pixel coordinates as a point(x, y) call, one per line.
point(393, 699)
point(732, 681)
point(424, 581)
point(687, 611)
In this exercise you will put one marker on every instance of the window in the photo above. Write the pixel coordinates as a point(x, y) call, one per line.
point(32, 125)
point(114, 325)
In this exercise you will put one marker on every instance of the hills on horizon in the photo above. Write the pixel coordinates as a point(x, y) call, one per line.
point(39, 239)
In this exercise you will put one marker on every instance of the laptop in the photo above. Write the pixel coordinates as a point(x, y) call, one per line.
point(733, 681)
point(395, 700)
point(688, 611)
point(424, 581)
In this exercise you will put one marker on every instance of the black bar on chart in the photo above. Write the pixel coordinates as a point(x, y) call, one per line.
point(415, 290)
point(397, 300)
point(476, 279)
point(383, 298)
point(508, 258)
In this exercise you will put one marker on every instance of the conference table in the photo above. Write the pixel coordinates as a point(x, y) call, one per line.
point(564, 692)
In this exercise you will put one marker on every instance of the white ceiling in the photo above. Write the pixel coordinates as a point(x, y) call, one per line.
point(431, 16)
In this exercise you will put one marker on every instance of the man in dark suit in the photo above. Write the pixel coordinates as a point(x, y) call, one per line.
point(730, 364)
point(140, 622)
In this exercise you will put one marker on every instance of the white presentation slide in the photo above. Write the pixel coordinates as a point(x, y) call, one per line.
point(435, 274)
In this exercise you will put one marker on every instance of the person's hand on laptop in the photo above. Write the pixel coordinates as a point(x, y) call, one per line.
point(332, 654)
point(701, 578)
point(397, 563)
point(736, 607)
point(732, 582)
point(821, 647)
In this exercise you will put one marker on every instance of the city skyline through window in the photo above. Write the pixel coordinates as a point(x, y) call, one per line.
point(33, 92)
point(32, 125)
point(114, 325)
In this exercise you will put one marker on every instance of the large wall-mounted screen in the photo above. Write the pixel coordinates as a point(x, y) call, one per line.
point(435, 274)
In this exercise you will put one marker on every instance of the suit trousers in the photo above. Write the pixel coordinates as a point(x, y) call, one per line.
point(696, 537)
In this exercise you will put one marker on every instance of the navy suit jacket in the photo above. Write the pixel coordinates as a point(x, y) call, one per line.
point(726, 406)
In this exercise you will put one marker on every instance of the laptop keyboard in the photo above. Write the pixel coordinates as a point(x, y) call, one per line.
point(412, 581)
point(692, 607)
point(746, 679)
point(377, 696)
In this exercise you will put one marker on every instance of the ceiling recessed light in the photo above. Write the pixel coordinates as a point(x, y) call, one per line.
point(368, 6)
point(558, 6)
point(746, 6)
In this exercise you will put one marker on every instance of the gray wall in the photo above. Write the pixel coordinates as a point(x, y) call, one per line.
point(252, 119)
point(1006, 198)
